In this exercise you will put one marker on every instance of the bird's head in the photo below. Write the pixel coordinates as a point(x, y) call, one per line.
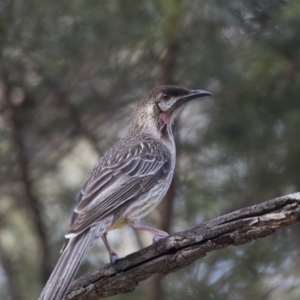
point(157, 111)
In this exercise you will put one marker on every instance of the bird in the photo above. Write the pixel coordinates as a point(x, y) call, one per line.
point(129, 181)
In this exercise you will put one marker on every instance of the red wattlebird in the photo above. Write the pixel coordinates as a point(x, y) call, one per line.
point(127, 183)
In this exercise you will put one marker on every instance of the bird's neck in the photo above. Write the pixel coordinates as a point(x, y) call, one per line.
point(155, 125)
point(167, 137)
point(157, 130)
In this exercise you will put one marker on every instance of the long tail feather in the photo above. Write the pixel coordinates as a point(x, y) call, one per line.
point(67, 266)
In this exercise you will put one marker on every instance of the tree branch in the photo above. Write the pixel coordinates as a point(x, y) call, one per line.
point(181, 249)
point(61, 94)
point(10, 275)
point(32, 204)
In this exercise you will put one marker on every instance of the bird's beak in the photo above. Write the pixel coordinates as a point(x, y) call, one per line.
point(193, 94)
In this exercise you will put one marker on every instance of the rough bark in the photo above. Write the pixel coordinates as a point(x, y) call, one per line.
point(181, 249)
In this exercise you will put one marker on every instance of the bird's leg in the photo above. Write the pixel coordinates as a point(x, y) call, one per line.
point(113, 256)
point(158, 234)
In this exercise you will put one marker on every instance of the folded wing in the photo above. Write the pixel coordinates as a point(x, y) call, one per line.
point(124, 173)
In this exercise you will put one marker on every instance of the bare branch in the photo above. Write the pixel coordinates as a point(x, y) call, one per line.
point(32, 204)
point(168, 62)
point(181, 249)
point(11, 278)
point(60, 93)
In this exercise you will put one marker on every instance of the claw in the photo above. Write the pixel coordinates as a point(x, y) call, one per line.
point(157, 238)
point(113, 258)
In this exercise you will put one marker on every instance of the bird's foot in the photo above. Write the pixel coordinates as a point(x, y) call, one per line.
point(157, 238)
point(113, 256)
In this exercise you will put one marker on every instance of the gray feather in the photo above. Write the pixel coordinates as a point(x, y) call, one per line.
point(128, 170)
point(67, 266)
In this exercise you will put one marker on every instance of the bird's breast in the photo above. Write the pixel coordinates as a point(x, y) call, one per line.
point(145, 203)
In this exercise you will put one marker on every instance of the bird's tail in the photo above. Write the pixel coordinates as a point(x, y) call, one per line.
point(67, 266)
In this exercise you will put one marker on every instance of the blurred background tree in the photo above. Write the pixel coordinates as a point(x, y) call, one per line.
point(70, 74)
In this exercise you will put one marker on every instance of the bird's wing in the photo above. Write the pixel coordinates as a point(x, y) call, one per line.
point(124, 173)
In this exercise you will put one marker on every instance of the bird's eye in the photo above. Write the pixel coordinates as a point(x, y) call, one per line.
point(166, 97)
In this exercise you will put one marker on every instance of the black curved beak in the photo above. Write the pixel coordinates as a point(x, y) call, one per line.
point(193, 94)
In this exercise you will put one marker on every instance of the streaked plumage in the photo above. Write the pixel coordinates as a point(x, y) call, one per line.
point(130, 169)
point(125, 185)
